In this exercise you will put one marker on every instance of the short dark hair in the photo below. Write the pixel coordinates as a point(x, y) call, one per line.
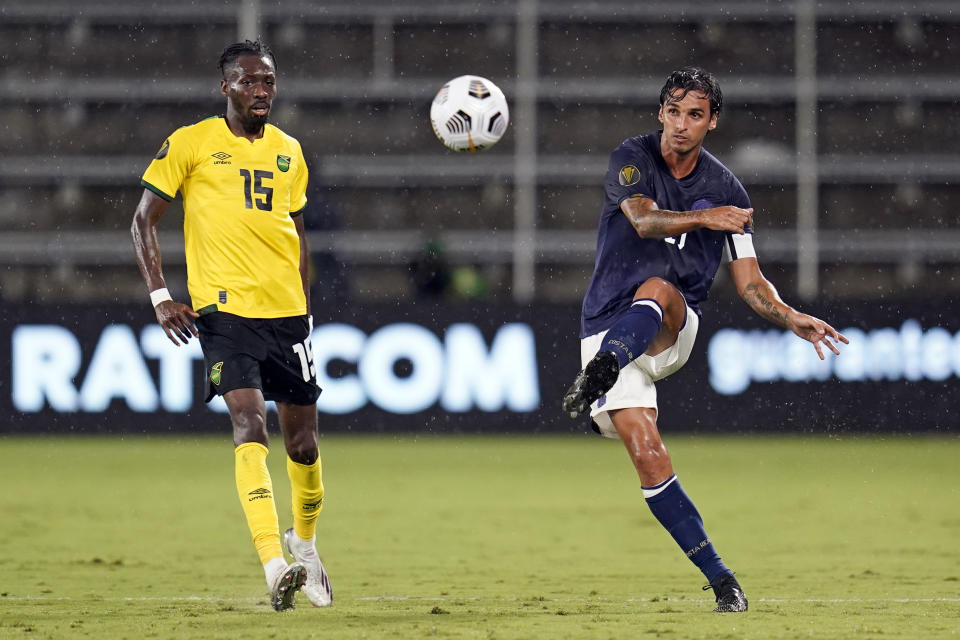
point(690, 79)
point(245, 48)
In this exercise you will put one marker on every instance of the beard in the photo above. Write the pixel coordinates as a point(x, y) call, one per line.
point(250, 122)
point(253, 123)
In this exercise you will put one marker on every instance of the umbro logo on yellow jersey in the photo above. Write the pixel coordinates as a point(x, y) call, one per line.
point(221, 157)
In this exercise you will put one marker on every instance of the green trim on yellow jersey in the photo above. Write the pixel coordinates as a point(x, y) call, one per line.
point(242, 245)
point(157, 191)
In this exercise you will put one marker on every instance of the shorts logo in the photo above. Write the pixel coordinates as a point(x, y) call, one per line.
point(162, 153)
point(283, 163)
point(629, 176)
point(216, 371)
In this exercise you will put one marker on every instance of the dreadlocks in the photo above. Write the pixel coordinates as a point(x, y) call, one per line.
point(245, 48)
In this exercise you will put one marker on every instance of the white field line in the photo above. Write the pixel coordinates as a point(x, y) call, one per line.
point(382, 598)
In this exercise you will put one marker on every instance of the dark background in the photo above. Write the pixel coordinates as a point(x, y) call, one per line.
point(687, 401)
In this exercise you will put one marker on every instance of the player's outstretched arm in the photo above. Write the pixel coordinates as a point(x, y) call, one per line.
point(650, 221)
point(760, 294)
point(175, 318)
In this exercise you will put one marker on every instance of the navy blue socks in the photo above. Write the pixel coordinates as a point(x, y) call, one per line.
point(671, 506)
point(630, 336)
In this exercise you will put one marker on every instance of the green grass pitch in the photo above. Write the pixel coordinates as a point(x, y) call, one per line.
point(484, 537)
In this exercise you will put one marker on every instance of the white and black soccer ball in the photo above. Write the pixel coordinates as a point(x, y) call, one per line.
point(469, 114)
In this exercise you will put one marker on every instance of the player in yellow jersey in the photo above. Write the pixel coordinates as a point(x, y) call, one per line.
point(243, 184)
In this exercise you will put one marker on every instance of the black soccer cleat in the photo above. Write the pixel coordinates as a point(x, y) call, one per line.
point(730, 597)
point(596, 379)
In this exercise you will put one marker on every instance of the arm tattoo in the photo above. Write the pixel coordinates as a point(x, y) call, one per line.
point(763, 305)
point(655, 223)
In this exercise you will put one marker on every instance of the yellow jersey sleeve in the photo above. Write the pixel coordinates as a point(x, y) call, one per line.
point(170, 167)
point(298, 191)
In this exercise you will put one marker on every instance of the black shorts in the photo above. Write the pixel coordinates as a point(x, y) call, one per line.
point(270, 354)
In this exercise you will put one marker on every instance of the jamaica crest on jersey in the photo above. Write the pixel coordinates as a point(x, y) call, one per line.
point(283, 163)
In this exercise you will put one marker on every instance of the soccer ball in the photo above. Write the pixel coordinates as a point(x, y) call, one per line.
point(469, 113)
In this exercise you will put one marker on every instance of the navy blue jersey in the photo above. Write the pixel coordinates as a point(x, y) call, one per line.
point(625, 260)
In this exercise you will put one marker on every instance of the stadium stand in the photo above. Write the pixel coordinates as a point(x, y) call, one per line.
point(94, 86)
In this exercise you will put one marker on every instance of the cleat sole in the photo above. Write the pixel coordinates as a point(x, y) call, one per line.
point(292, 580)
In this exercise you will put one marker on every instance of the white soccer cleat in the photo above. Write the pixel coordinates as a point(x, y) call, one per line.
point(317, 588)
point(284, 586)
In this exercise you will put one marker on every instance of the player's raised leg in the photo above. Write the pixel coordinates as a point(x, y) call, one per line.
point(670, 504)
point(255, 490)
point(650, 325)
point(299, 425)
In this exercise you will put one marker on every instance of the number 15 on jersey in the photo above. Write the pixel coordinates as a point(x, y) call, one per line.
point(254, 186)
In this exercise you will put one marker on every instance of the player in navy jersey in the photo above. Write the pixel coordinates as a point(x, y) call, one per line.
point(672, 212)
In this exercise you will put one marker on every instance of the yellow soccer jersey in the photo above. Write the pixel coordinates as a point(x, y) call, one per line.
point(239, 200)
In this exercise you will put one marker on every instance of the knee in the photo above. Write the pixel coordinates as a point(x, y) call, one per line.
point(663, 291)
point(249, 425)
point(653, 287)
point(645, 446)
point(648, 449)
point(302, 447)
point(669, 298)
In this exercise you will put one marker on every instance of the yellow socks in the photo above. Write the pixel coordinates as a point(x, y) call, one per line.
point(256, 496)
point(306, 486)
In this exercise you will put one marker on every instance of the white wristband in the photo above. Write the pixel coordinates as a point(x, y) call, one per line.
point(160, 295)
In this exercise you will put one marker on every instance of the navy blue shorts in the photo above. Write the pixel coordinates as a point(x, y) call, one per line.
point(270, 354)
